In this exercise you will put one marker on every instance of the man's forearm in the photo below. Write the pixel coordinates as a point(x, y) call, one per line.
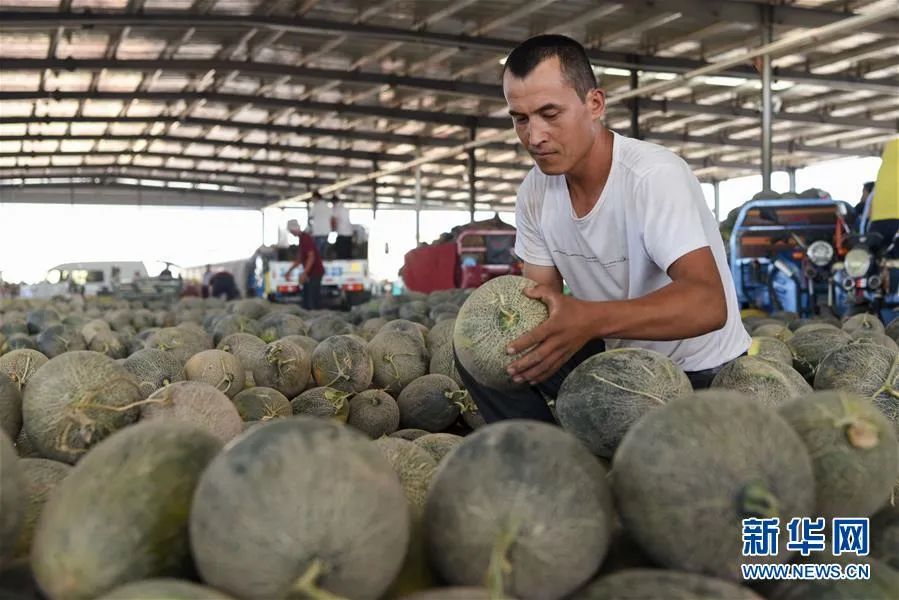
point(680, 310)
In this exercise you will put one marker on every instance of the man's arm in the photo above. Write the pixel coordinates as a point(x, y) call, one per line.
point(693, 304)
point(548, 276)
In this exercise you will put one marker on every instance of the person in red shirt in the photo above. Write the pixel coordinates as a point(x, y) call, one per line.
point(313, 270)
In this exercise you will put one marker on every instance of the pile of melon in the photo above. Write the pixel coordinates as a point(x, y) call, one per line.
point(250, 450)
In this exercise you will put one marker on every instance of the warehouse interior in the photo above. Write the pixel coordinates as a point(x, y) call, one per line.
point(280, 321)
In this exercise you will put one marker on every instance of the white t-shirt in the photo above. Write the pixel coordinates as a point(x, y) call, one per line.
point(320, 219)
point(651, 212)
point(342, 216)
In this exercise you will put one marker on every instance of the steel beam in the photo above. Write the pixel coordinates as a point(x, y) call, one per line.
point(623, 60)
point(119, 194)
point(767, 100)
point(441, 118)
point(788, 147)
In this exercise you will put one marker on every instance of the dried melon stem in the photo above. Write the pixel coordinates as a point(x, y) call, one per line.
point(457, 397)
point(508, 317)
point(499, 567)
point(76, 416)
point(227, 378)
point(756, 501)
point(347, 362)
point(306, 587)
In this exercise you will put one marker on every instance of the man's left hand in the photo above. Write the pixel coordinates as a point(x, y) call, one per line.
point(303, 278)
point(554, 341)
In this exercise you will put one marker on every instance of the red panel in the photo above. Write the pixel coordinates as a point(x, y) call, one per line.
point(431, 268)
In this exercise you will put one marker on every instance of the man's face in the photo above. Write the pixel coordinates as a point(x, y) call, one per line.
point(555, 126)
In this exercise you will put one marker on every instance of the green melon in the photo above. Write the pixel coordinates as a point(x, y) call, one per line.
point(441, 334)
point(315, 506)
point(108, 523)
point(771, 348)
point(702, 463)
point(39, 319)
point(390, 307)
point(40, 476)
point(12, 496)
point(249, 350)
point(522, 505)
point(815, 326)
point(4, 347)
point(218, 368)
point(811, 347)
point(326, 326)
point(75, 401)
point(406, 326)
point(322, 402)
point(234, 324)
point(868, 370)
point(342, 362)
point(438, 445)
point(884, 529)
point(21, 365)
point(253, 308)
point(371, 327)
point(430, 402)
point(864, 336)
point(863, 322)
point(644, 584)
point(443, 362)
point(12, 326)
point(153, 369)
point(196, 403)
point(892, 329)
point(607, 393)
point(409, 434)
point(455, 593)
point(494, 315)
point(59, 338)
point(109, 343)
point(773, 383)
point(24, 447)
point(303, 341)
point(10, 407)
point(374, 412)
point(163, 589)
point(93, 328)
point(415, 467)
point(279, 325)
point(780, 332)
point(182, 343)
point(285, 367)
point(854, 451)
point(20, 341)
point(398, 358)
point(262, 404)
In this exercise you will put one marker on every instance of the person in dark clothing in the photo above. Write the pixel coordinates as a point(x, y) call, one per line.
point(867, 188)
point(313, 270)
point(222, 284)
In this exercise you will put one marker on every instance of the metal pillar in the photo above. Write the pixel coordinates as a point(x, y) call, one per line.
point(374, 191)
point(635, 106)
point(792, 173)
point(766, 102)
point(716, 185)
point(417, 206)
point(472, 168)
point(262, 212)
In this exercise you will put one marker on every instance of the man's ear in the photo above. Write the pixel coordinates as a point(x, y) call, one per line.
point(596, 103)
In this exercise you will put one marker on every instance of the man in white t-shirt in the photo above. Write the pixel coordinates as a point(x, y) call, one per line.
point(623, 222)
point(320, 222)
point(344, 228)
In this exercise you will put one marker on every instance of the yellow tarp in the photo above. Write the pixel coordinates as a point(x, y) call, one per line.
point(885, 203)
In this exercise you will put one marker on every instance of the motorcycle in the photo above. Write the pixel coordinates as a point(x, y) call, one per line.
point(869, 275)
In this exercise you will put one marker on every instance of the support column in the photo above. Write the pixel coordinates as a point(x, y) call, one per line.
point(792, 173)
point(374, 191)
point(417, 206)
point(262, 212)
point(716, 185)
point(472, 169)
point(635, 106)
point(766, 102)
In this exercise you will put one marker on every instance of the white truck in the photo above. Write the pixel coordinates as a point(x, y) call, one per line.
point(87, 278)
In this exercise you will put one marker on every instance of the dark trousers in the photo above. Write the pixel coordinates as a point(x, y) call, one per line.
point(529, 402)
point(321, 242)
point(344, 247)
point(312, 293)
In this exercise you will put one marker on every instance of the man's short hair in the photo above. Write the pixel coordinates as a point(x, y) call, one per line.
point(572, 57)
point(868, 187)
